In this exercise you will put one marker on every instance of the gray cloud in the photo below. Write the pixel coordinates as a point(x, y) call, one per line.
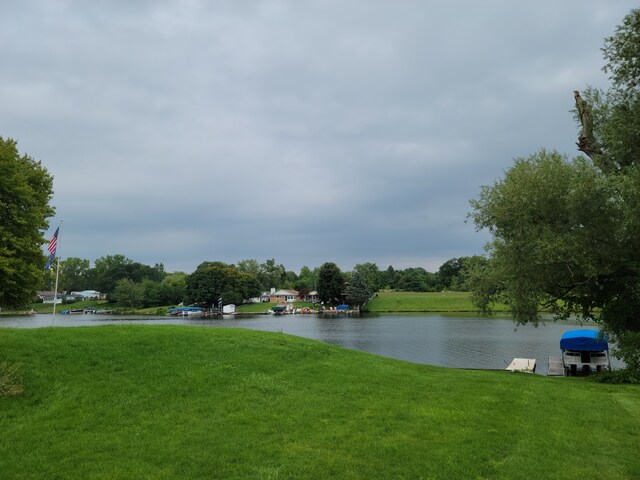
point(180, 132)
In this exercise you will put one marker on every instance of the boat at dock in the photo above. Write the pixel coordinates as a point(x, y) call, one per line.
point(185, 311)
point(583, 352)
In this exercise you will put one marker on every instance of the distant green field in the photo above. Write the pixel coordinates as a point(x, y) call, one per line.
point(424, 302)
point(166, 402)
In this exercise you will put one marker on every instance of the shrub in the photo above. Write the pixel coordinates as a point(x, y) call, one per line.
point(624, 375)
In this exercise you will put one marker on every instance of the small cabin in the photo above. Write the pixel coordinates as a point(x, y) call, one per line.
point(584, 352)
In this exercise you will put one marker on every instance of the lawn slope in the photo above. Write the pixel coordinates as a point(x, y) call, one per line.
point(188, 402)
point(392, 301)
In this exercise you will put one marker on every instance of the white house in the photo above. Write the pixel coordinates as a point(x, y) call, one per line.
point(88, 294)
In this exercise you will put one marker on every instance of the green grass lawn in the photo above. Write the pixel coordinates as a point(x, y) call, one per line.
point(391, 301)
point(48, 307)
point(142, 401)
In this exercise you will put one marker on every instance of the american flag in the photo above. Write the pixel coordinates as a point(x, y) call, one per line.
point(53, 244)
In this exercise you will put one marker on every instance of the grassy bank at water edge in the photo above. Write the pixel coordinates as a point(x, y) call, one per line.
point(139, 401)
point(392, 301)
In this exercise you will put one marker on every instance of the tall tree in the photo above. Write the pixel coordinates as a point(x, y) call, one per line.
point(391, 277)
point(415, 279)
point(108, 270)
point(111, 268)
point(307, 279)
point(370, 274)
point(129, 293)
point(449, 270)
point(173, 288)
point(26, 188)
point(454, 273)
point(272, 274)
point(249, 265)
point(357, 292)
point(330, 283)
point(214, 280)
point(74, 274)
point(566, 232)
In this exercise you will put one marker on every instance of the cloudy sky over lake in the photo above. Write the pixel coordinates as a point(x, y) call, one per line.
point(305, 131)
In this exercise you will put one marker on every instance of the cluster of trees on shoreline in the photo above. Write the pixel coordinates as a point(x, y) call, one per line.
point(133, 284)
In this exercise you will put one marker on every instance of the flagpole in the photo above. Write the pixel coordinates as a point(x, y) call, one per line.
point(55, 290)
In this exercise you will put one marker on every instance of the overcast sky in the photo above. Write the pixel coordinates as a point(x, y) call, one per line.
point(348, 131)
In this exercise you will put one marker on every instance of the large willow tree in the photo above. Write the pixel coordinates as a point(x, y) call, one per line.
point(566, 232)
point(25, 191)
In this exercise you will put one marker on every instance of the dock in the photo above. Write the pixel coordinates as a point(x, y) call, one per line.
point(556, 368)
point(524, 365)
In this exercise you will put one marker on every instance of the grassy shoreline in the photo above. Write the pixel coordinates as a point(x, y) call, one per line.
point(446, 301)
point(383, 302)
point(405, 302)
point(168, 401)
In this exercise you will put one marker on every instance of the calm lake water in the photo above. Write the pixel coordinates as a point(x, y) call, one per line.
point(444, 340)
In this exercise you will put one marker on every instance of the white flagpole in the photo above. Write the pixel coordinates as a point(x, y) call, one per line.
point(55, 290)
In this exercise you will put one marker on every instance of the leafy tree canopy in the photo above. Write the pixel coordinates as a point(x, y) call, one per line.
point(566, 231)
point(111, 268)
point(454, 273)
point(370, 274)
point(128, 293)
point(307, 280)
point(330, 283)
point(214, 280)
point(357, 292)
point(271, 274)
point(26, 188)
point(74, 274)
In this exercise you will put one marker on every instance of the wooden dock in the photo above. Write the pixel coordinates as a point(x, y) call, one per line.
point(524, 365)
point(556, 368)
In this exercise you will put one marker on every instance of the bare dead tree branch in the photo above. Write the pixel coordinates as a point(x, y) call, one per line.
point(586, 141)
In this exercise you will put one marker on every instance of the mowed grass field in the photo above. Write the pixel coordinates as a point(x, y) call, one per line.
point(392, 301)
point(142, 401)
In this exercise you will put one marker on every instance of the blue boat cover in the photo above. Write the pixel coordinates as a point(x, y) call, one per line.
point(583, 340)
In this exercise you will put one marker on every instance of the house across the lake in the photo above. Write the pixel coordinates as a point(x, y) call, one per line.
point(285, 296)
point(289, 296)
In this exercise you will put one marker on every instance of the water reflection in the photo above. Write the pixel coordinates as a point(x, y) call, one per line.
point(445, 340)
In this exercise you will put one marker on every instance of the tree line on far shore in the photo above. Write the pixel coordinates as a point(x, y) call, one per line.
point(134, 284)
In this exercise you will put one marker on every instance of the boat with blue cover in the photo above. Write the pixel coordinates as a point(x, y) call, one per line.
point(584, 352)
